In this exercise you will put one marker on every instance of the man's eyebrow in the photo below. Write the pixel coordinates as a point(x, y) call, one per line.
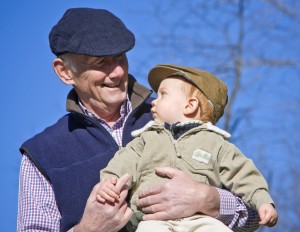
point(91, 61)
point(97, 60)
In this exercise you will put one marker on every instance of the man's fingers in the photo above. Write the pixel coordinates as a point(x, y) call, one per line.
point(125, 212)
point(122, 185)
point(143, 194)
point(163, 172)
point(166, 172)
point(128, 214)
point(122, 182)
point(147, 202)
point(152, 209)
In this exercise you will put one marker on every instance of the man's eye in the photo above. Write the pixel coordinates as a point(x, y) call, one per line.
point(99, 63)
point(121, 58)
point(94, 65)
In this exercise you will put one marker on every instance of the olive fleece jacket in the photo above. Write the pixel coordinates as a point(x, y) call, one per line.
point(202, 152)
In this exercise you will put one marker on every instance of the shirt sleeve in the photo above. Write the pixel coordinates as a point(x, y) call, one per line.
point(37, 208)
point(235, 214)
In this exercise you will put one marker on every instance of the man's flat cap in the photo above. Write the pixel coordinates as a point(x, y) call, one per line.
point(92, 32)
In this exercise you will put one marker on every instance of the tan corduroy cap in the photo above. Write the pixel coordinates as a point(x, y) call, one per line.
point(212, 87)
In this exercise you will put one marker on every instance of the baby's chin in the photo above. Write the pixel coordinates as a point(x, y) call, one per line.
point(156, 120)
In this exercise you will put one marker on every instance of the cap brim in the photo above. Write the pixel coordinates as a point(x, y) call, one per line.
point(159, 73)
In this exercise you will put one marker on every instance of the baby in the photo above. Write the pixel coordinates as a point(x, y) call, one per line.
point(189, 102)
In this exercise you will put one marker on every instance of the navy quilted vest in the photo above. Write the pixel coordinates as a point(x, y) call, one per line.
point(70, 155)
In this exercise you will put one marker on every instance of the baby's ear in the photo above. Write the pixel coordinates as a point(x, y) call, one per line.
point(192, 106)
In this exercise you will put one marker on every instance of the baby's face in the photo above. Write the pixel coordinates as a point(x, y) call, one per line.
point(171, 101)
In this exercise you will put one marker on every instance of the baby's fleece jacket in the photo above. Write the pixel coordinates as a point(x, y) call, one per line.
point(202, 152)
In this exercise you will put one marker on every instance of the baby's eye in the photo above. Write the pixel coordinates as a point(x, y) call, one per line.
point(161, 92)
point(164, 95)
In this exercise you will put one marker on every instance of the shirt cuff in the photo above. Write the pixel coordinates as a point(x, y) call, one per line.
point(227, 206)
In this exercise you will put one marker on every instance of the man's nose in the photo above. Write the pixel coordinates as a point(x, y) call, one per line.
point(115, 70)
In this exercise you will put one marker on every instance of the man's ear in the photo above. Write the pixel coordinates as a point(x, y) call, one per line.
point(192, 106)
point(62, 71)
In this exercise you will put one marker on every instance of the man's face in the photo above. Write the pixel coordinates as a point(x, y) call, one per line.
point(101, 82)
point(170, 102)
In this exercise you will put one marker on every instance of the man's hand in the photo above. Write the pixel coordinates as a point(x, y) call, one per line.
point(178, 197)
point(106, 217)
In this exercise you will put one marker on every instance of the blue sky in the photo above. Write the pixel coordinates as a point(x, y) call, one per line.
point(34, 98)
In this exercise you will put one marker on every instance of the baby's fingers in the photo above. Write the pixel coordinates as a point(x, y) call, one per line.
point(99, 198)
point(272, 223)
point(264, 221)
point(269, 220)
point(107, 195)
point(273, 220)
point(264, 217)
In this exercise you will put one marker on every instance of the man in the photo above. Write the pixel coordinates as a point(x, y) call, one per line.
point(60, 166)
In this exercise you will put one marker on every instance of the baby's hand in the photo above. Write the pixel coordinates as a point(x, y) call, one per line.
point(268, 215)
point(108, 191)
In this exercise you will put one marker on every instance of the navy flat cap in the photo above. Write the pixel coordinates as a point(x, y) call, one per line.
point(92, 32)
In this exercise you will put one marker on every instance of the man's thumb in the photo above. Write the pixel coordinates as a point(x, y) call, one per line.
point(122, 182)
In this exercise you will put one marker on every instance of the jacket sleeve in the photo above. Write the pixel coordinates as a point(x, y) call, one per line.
point(125, 161)
point(239, 175)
